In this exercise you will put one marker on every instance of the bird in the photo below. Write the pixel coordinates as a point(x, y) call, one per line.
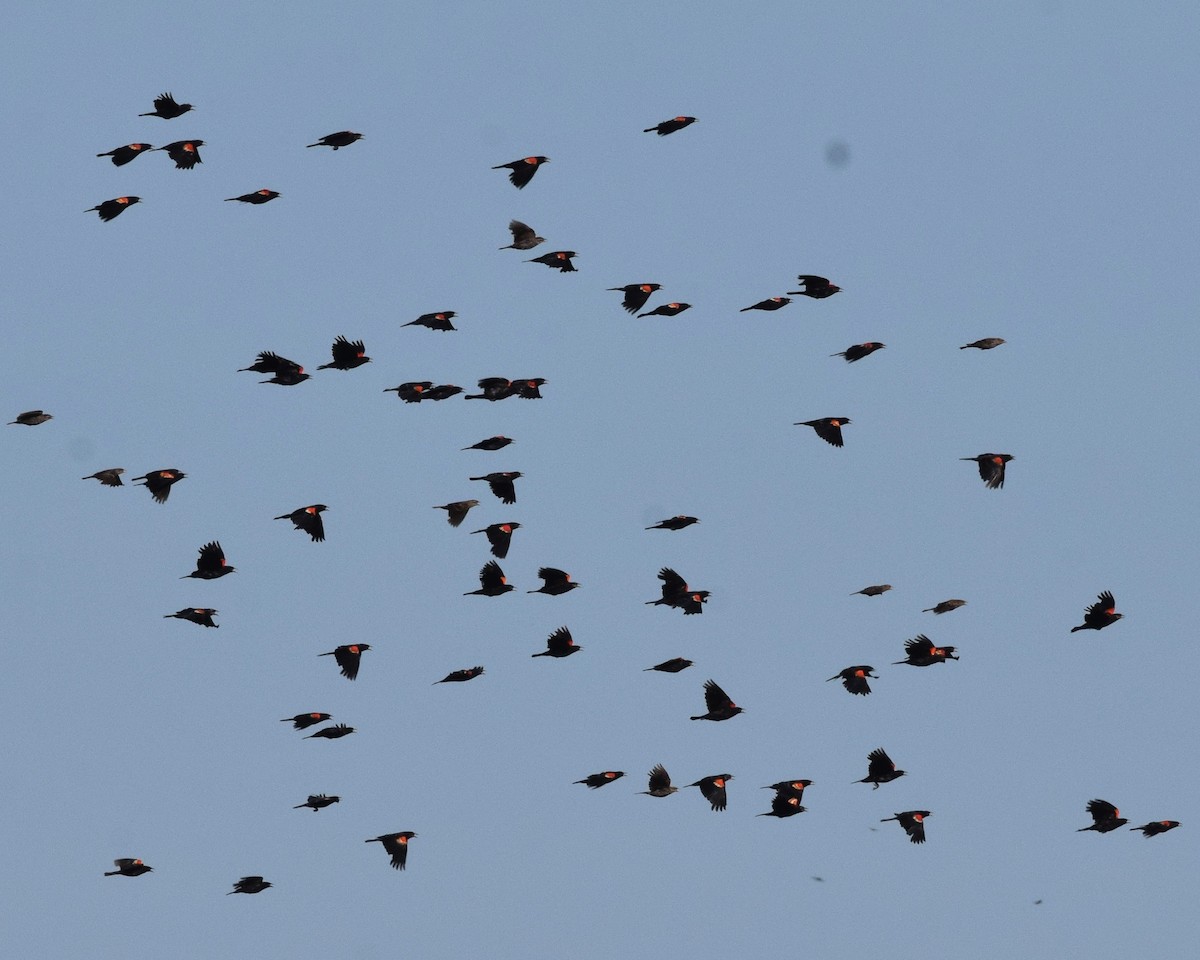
point(791, 788)
point(785, 803)
point(594, 781)
point(522, 171)
point(828, 429)
point(211, 564)
point(672, 309)
point(491, 443)
point(336, 732)
point(396, 846)
point(945, 607)
point(198, 615)
point(343, 138)
point(317, 801)
point(461, 676)
point(457, 511)
point(308, 519)
point(258, 196)
point(1105, 817)
point(913, 822)
point(559, 644)
point(268, 362)
point(718, 704)
point(412, 392)
point(348, 657)
point(492, 582)
point(434, 321)
point(921, 652)
point(676, 593)
point(111, 209)
point(123, 155)
point(987, 343)
point(500, 537)
point(131, 867)
point(674, 523)
point(529, 389)
point(991, 468)
point(636, 294)
point(670, 666)
point(878, 590)
point(347, 354)
point(713, 789)
point(250, 885)
point(859, 350)
point(110, 477)
point(159, 482)
point(32, 418)
point(443, 391)
point(185, 153)
point(660, 783)
point(854, 679)
point(772, 303)
point(555, 582)
point(816, 287)
point(1100, 614)
point(501, 484)
point(670, 126)
point(493, 388)
point(558, 259)
point(524, 236)
point(302, 721)
point(1155, 827)
point(880, 769)
point(289, 378)
point(166, 108)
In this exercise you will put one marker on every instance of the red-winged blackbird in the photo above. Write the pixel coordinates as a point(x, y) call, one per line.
point(308, 519)
point(494, 388)
point(1155, 827)
point(348, 657)
point(859, 350)
point(816, 287)
point(991, 468)
point(720, 707)
point(492, 582)
point(1106, 817)
point(674, 523)
point(854, 679)
point(558, 259)
point(500, 537)
point(336, 732)
point(443, 391)
point(670, 126)
point(303, 721)
point(32, 418)
point(396, 846)
point(434, 321)
point(660, 783)
point(258, 196)
point(347, 354)
point(554, 582)
point(123, 155)
point(636, 294)
point(128, 867)
point(198, 615)
point(880, 769)
point(713, 789)
point(670, 666)
point(595, 781)
point(268, 362)
point(250, 885)
point(524, 236)
point(166, 108)
point(111, 209)
point(920, 652)
point(289, 378)
point(913, 822)
point(876, 591)
point(502, 485)
point(529, 389)
point(461, 676)
point(672, 309)
point(785, 803)
point(522, 171)
point(411, 392)
point(774, 303)
point(491, 443)
point(987, 343)
point(559, 644)
point(343, 138)
point(317, 801)
point(1101, 614)
point(211, 563)
point(945, 606)
point(110, 477)
point(790, 788)
point(159, 482)
point(828, 429)
point(457, 511)
point(676, 593)
point(185, 153)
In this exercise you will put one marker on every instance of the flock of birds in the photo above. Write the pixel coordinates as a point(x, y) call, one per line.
point(676, 593)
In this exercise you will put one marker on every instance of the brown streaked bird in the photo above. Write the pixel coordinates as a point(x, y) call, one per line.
point(520, 172)
point(987, 343)
point(159, 482)
point(945, 607)
point(111, 209)
point(660, 783)
point(343, 138)
point(991, 468)
point(185, 153)
point(211, 563)
point(396, 846)
point(110, 477)
point(347, 354)
point(317, 801)
point(302, 721)
point(491, 443)
point(434, 321)
point(494, 388)
point(921, 652)
point(32, 418)
point(670, 666)
point(878, 590)
point(559, 644)
point(816, 287)
point(128, 867)
point(501, 484)
point(412, 392)
point(309, 520)
point(913, 822)
point(500, 537)
point(1155, 827)
point(674, 523)
point(854, 679)
point(250, 885)
point(268, 362)
point(558, 259)
point(880, 769)
point(257, 197)
point(336, 732)
point(856, 352)
point(555, 582)
point(713, 789)
point(828, 429)
point(524, 236)
point(594, 781)
point(1101, 614)
point(203, 616)
point(457, 511)
point(670, 126)
point(123, 155)
point(636, 294)
point(492, 582)
point(772, 303)
point(718, 704)
point(460, 676)
point(1105, 817)
point(348, 657)
point(672, 309)
point(166, 108)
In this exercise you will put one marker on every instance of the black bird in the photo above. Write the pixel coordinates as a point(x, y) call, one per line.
point(791, 788)
point(343, 138)
point(434, 321)
point(257, 197)
point(128, 867)
point(166, 108)
point(185, 153)
point(991, 468)
point(595, 781)
point(268, 362)
point(672, 309)
point(945, 607)
point(502, 485)
point(859, 350)
point(159, 482)
point(396, 846)
point(554, 582)
point(529, 389)
point(558, 259)
point(492, 582)
point(1100, 614)
point(1105, 817)
point(913, 822)
point(875, 591)
point(461, 676)
point(660, 783)
point(559, 644)
point(1155, 827)
point(816, 287)
point(785, 803)
point(987, 343)
point(211, 564)
point(317, 801)
point(32, 418)
point(524, 236)
point(491, 443)
point(289, 378)
point(443, 391)
point(412, 392)
point(348, 657)
point(198, 615)
point(111, 209)
point(636, 294)
point(854, 679)
point(670, 126)
point(309, 520)
point(772, 303)
point(713, 789)
point(336, 732)
point(670, 666)
point(347, 355)
point(717, 701)
point(921, 652)
point(250, 885)
point(494, 388)
point(457, 511)
point(110, 477)
point(674, 523)
point(500, 537)
point(828, 429)
point(880, 769)
point(123, 155)
point(302, 721)
point(676, 593)
point(522, 171)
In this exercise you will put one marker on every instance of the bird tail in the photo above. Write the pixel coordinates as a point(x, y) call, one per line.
point(1080, 627)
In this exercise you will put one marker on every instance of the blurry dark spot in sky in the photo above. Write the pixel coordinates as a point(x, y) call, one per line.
point(837, 154)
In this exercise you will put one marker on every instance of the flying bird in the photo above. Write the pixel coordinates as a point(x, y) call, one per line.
point(347, 355)
point(555, 582)
point(921, 652)
point(268, 362)
point(529, 389)
point(493, 388)
point(672, 309)
point(816, 287)
point(854, 679)
point(123, 155)
point(491, 443)
point(674, 523)
point(32, 418)
point(434, 321)
point(501, 484)
point(670, 666)
point(558, 259)
point(457, 511)
point(166, 108)
point(348, 657)
point(559, 644)
point(492, 582)
point(250, 885)
point(880, 769)
point(524, 236)
point(461, 676)
point(828, 429)
point(185, 153)
point(718, 704)
point(500, 537)
point(412, 392)
point(1155, 827)
point(522, 171)
point(913, 822)
point(772, 303)
point(786, 802)
point(987, 343)
point(302, 721)
point(211, 564)
point(945, 606)
point(443, 391)
point(309, 520)
point(991, 468)
point(396, 846)
point(131, 867)
point(595, 781)
point(257, 197)
point(110, 477)
point(198, 615)
point(336, 732)
point(875, 591)
point(713, 789)
point(1105, 817)
point(660, 783)
point(636, 294)
point(159, 482)
point(111, 209)
point(670, 126)
point(1100, 614)
point(343, 138)
point(317, 801)
point(859, 350)
point(677, 593)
